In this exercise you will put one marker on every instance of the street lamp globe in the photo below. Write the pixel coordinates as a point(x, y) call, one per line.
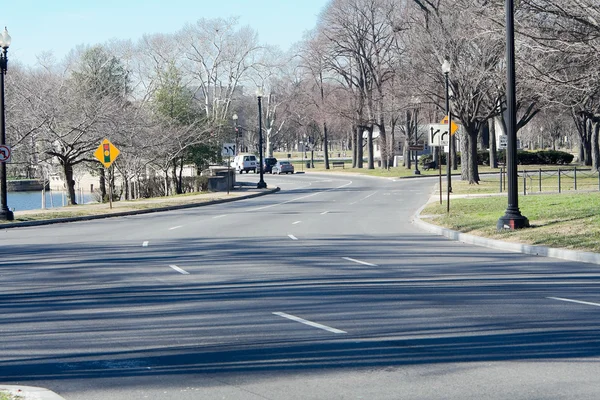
point(446, 67)
point(5, 39)
point(235, 118)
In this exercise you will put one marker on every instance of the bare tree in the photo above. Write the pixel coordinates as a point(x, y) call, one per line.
point(218, 55)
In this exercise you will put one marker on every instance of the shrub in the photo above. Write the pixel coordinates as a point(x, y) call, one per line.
point(544, 157)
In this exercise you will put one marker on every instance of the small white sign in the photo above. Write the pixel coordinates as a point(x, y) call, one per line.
point(502, 141)
point(438, 135)
point(228, 150)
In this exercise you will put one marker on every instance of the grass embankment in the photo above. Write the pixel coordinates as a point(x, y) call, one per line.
point(569, 220)
point(118, 206)
point(5, 395)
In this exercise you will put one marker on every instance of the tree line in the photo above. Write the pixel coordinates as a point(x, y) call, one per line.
point(368, 74)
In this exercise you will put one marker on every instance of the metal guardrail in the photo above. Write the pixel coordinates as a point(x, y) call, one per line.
point(557, 180)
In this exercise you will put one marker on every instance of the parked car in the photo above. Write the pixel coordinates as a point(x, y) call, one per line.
point(245, 163)
point(282, 167)
point(268, 163)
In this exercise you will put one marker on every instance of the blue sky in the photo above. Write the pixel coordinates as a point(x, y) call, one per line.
point(59, 26)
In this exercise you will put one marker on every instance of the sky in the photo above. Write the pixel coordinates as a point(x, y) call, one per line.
point(38, 26)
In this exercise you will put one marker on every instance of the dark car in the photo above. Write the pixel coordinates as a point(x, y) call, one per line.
point(268, 163)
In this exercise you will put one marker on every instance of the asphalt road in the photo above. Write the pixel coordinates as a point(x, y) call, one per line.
point(324, 290)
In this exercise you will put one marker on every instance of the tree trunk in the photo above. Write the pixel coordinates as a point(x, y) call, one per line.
point(69, 182)
point(103, 184)
point(359, 146)
point(166, 181)
point(354, 144)
point(383, 145)
point(392, 145)
point(325, 145)
point(454, 155)
point(493, 150)
point(126, 184)
point(464, 157)
point(371, 162)
point(473, 165)
point(174, 176)
point(407, 141)
point(594, 145)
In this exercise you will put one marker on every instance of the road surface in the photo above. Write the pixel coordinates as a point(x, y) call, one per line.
point(324, 290)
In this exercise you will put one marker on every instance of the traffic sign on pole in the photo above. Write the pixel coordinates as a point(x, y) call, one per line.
point(438, 135)
point(453, 126)
point(228, 150)
point(106, 153)
point(5, 153)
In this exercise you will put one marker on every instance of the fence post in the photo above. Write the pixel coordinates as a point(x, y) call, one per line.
point(524, 183)
point(502, 173)
point(575, 177)
point(559, 180)
point(540, 179)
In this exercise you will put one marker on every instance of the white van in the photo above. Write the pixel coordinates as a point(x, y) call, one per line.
point(245, 162)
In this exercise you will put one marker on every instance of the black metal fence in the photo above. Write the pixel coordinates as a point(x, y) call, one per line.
point(555, 181)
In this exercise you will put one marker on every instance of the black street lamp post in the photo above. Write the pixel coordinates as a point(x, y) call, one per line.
point(417, 172)
point(261, 182)
point(512, 218)
point(446, 71)
point(237, 132)
point(5, 213)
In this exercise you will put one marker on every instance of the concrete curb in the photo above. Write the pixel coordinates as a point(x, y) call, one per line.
point(30, 392)
point(563, 254)
point(134, 212)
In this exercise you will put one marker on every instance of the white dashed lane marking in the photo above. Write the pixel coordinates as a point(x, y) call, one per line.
point(181, 271)
point(309, 323)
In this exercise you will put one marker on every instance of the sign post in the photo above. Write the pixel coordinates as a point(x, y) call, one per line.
point(452, 128)
point(438, 136)
point(228, 150)
point(107, 153)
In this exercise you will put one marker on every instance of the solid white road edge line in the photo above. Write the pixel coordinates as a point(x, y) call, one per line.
point(360, 262)
point(292, 237)
point(175, 227)
point(574, 301)
point(145, 244)
point(181, 271)
point(219, 216)
point(324, 212)
point(310, 323)
point(296, 223)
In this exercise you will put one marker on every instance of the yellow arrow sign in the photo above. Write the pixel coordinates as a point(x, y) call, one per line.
point(106, 153)
point(453, 126)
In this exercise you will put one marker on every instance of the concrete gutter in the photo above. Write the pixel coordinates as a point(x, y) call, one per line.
point(563, 254)
point(30, 392)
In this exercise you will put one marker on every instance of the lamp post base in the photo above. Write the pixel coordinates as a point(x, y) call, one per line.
point(417, 172)
point(6, 215)
point(512, 221)
point(261, 185)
